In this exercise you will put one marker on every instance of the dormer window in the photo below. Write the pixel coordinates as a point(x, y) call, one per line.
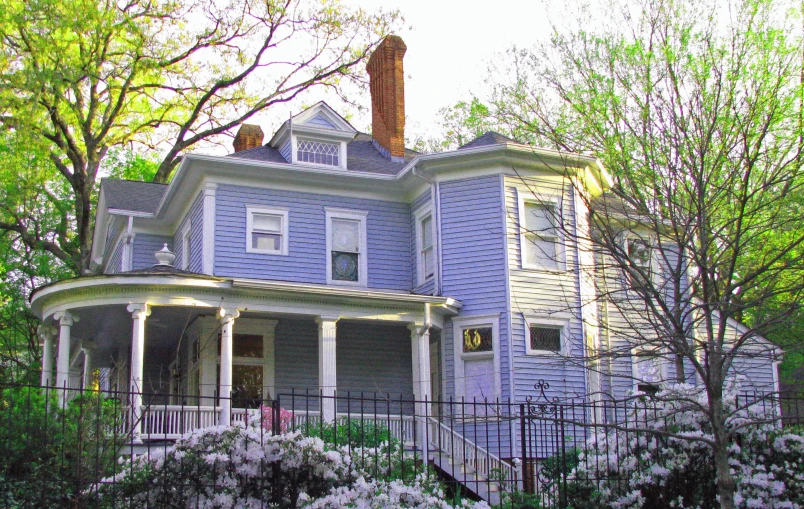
point(318, 152)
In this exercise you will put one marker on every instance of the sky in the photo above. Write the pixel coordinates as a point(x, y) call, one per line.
point(450, 45)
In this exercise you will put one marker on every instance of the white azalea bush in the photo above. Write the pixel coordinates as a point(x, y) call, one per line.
point(244, 467)
point(644, 470)
point(423, 493)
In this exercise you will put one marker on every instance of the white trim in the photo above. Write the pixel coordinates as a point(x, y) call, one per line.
point(185, 237)
point(547, 323)
point(420, 215)
point(362, 257)
point(544, 201)
point(284, 229)
point(458, 324)
point(508, 300)
point(208, 231)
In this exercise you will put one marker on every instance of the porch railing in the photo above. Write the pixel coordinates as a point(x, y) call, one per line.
point(461, 451)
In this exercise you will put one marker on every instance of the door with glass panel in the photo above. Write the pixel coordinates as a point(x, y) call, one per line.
point(248, 370)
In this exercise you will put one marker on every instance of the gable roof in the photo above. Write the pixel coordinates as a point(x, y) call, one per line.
point(132, 195)
point(490, 138)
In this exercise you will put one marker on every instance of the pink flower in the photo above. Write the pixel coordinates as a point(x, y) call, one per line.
point(285, 418)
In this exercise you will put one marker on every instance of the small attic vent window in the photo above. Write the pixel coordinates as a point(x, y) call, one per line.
point(318, 152)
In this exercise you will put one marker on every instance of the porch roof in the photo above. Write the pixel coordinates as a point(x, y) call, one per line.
point(199, 290)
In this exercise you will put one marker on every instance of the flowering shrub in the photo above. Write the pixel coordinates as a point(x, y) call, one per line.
point(422, 493)
point(285, 418)
point(636, 470)
point(223, 467)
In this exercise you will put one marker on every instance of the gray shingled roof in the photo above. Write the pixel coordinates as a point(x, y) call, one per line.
point(361, 156)
point(132, 195)
point(161, 270)
point(489, 138)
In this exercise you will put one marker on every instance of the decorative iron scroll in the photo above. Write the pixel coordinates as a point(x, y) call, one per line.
point(542, 405)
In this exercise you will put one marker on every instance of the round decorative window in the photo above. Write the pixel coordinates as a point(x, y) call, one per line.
point(344, 266)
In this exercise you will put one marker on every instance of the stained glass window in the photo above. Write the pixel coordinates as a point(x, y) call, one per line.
point(477, 340)
point(345, 249)
point(318, 152)
point(640, 256)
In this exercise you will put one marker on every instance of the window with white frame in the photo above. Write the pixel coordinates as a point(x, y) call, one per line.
point(545, 336)
point(266, 230)
point(425, 245)
point(541, 248)
point(186, 246)
point(476, 342)
point(318, 152)
point(346, 247)
point(639, 256)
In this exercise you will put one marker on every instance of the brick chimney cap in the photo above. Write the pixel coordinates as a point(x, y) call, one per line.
point(394, 41)
point(250, 130)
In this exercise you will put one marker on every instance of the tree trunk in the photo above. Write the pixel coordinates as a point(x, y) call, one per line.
point(726, 486)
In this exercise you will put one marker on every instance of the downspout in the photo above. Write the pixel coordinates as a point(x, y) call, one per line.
point(427, 319)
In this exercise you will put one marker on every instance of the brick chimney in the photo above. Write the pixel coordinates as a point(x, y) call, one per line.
point(248, 136)
point(387, 83)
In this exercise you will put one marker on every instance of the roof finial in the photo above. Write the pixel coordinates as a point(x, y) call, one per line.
point(164, 256)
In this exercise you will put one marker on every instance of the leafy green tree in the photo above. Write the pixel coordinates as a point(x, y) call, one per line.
point(696, 109)
point(81, 77)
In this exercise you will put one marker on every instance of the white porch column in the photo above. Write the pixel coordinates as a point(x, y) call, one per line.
point(327, 370)
point(228, 316)
point(66, 321)
point(420, 347)
point(86, 377)
point(138, 314)
point(46, 335)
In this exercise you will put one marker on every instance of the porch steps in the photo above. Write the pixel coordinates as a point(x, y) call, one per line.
point(477, 484)
point(468, 463)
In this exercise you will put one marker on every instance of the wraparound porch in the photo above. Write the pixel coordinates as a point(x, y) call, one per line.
point(226, 343)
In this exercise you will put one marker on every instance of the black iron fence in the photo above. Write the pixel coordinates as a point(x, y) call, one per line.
point(63, 448)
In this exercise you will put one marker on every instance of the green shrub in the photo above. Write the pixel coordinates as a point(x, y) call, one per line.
point(51, 454)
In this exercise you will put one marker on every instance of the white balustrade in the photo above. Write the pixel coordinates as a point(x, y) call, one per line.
point(172, 421)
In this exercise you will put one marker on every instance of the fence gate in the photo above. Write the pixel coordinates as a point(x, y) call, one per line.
point(545, 438)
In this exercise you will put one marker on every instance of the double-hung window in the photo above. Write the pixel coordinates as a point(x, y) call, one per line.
point(346, 247)
point(541, 248)
point(266, 230)
point(425, 245)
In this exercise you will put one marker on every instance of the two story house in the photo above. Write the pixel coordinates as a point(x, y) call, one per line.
point(339, 262)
